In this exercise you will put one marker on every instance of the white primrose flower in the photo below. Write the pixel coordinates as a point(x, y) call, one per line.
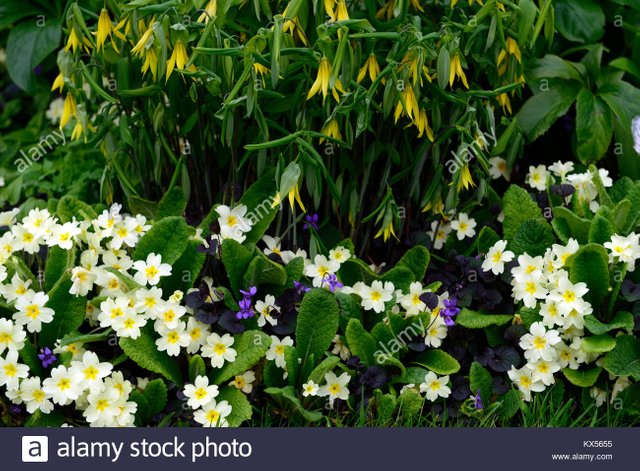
point(550, 314)
point(116, 381)
point(233, 223)
point(149, 302)
point(497, 256)
point(310, 389)
point(129, 324)
point(539, 343)
point(543, 370)
point(11, 336)
point(435, 387)
point(276, 350)
point(82, 281)
point(112, 309)
point(103, 406)
point(200, 393)
point(375, 296)
point(563, 252)
point(64, 385)
point(528, 267)
point(624, 249)
point(439, 232)
point(335, 387)
point(537, 177)
point(264, 308)
point(141, 225)
point(172, 339)
point(118, 261)
point(464, 226)
point(32, 311)
point(320, 269)
point(34, 397)
point(151, 270)
point(561, 169)
point(569, 295)
point(273, 245)
point(529, 289)
point(436, 332)
point(38, 222)
point(16, 288)
point(109, 282)
point(340, 349)
point(198, 332)
point(11, 372)
point(244, 382)
point(63, 235)
point(170, 314)
point(339, 254)
point(523, 379)
point(498, 168)
point(91, 370)
point(8, 218)
point(213, 414)
point(76, 349)
point(25, 239)
point(124, 233)
point(599, 395)
point(411, 301)
point(219, 349)
point(105, 223)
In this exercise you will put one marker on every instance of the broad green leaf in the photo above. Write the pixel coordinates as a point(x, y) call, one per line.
point(594, 127)
point(288, 395)
point(145, 353)
point(487, 238)
point(361, 342)
point(601, 230)
point(622, 320)
point(262, 270)
point(13, 10)
point(624, 359)
point(590, 264)
point(70, 207)
point(173, 203)
point(53, 419)
point(259, 199)
point(551, 66)
point(518, 207)
point(28, 44)
point(416, 259)
point(250, 346)
point(533, 237)
point(566, 223)
point(410, 402)
point(168, 237)
point(185, 270)
point(581, 21)
point(413, 375)
point(59, 261)
point(598, 343)
point(582, 378)
point(69, 312)
point(29, 355)
point(317, 323)
point(509, 404)
point(476, 320)
point(354, 270)
point(438, 361)
point(142, 411)
point(326, 365)
point(240, 405)
point(386, 406)
point(196, 368)
point(400, 276)
point(156, 395)
point(236, 259)
point(480, 380)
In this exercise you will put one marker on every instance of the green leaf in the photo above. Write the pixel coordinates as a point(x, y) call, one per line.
point(477, 320)
point(236, 259)
point(480, 380)
point(241, 408)
point(251, 346)
point(590, 264)
point(326, 365)
point(509, 405)
point(196, 368)
point(139, 205)
point(624, 359)
point(53, 419)
point(142, 412)
point(13, 10)
point(518, 207)
point(551, 66)
point(288, 395)
point(361, 342)
point(185, 270)
point(69, 312)
point(601, 230)
point(386, 406)
point(70, 207)
point(354, 270)
point(263, 270)
point(317, 323)
point(413, 375)
point(598, 343)
point(529, 316)
point(416, 259)
point(581, 21)
point(29, 356)
point(486, 239)
point(622, 320)
point(533, 237)
point(410, 402)
point(168, 237)
point(541, 110)
point(400, 276)
point(294, 270)
point(173, 203)
point(259, 199)
point(58, 262)
point(438, 361)
point(582, 378)
point(567, 224)
point(28, 44)
point(156, 395)
point(594, 127)
point(145, 353)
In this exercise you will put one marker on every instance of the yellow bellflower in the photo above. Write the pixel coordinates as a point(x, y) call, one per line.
point(455, 69)
point(386, 232)
point(453, 2)
point(466, 180)
point(371, 66)
point(209, 11)
point(436, 206)
point(105, 29)
point(58, 83)
point(387, 11)
point(416, 5)
point(141, 45)
point(331, 129)
point(69, 109)
point(293, 25)
point(294, 193)
point(422, 123)
point(178, 58)
point(322, 82)
point(408, 104)
point(505, 102)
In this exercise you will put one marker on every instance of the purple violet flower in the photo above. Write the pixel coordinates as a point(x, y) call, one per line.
point(301, 287)
point(478, 401)
point(47, 357)
point(332, 279)
point(312, 221)
point(450, 310)
point(245, 309)
point(249, 293)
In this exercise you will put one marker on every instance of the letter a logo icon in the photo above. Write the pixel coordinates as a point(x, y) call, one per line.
point(35, 449)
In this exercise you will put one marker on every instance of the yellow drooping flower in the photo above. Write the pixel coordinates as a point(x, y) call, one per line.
point(331, 129)
point(123, 25)
point(322, 82)
point(386, 231)
point(340, 12)
point(178, 58)
point(436, 206)
point(150, 63)
point(294, 193)
point(69, 110)
point(408, 104)
point(416, 5)
point(209, 11)
point(505, 102)
point(58, 83)
point(105, 28)
point(387, 11)
point(466, 180)
point(512, 49)
point(141, 45)
point(370, 65)
point(455, 69)
point(293, 25)
point(416, 70)
point(75, 41)
point(422, 123)
point(79, 130)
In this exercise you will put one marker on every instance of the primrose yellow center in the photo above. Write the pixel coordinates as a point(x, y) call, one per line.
point(82, 276)
point(22, 289)
point(415, 299)
point(463, 226)
point(151, 272)
point(240, 382)
point(38, 395)
point(213, 416)
point(116, 312)
point(173, 337)
point(64, 383)
point(114, 284)
point(27, 237)
point(200, 393)
point(195, 333)
point(434, 385)
point(334, 389)
point(322, 270)
point(280, 350)
point(10, 370)
point(32, 311)
point(525, 382)
point(496, 257)
point(5, 337)
point(122, 232)
point(543, 368)
point(169, 316)
point(64, 236)
point(102, 404)
point(232, 220)
point(129, 324)
point(91, 372)
point(530, 269)
point(375, 296)
point(569, 296)
point(539, 343)
point(530, 287)
point(220, 348)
